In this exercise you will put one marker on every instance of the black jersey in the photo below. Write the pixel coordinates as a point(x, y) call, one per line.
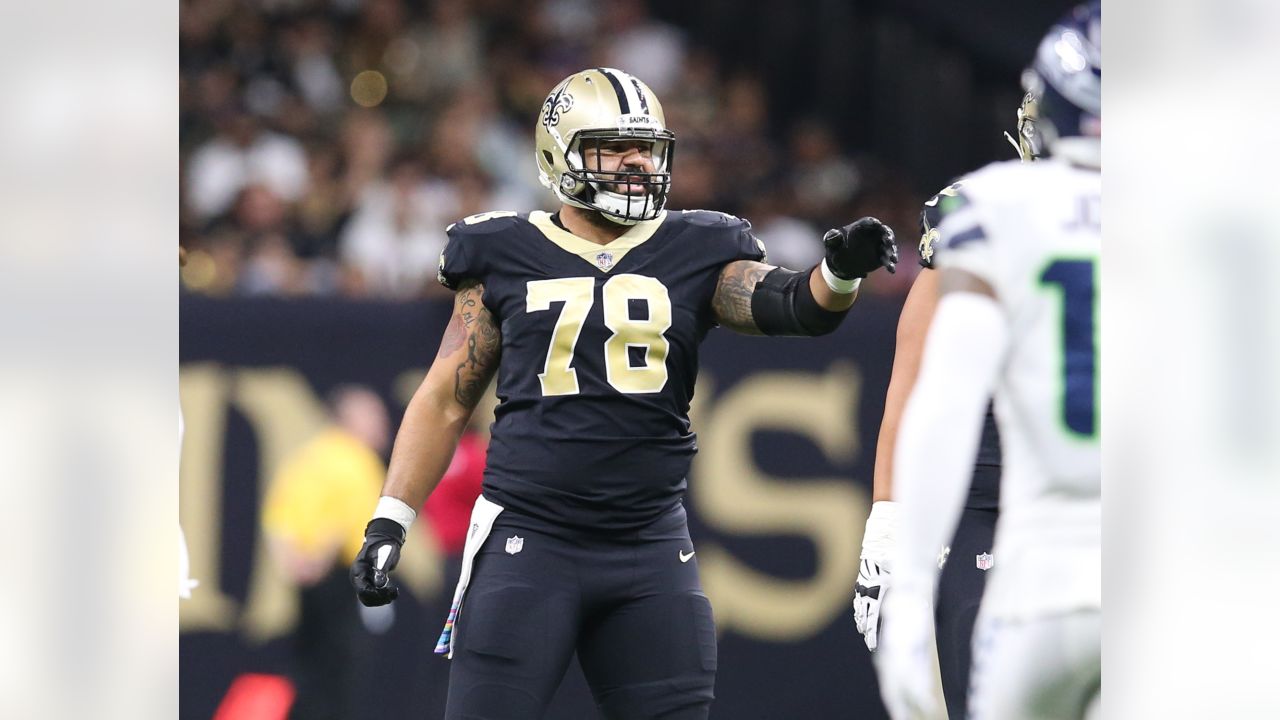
point(984, 490)
point(599, 357)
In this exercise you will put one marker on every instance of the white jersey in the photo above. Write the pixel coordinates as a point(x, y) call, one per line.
point(1033, 232)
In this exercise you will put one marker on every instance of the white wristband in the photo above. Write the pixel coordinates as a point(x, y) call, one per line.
point(881, 529)
point(838, 284)
point(395, 509)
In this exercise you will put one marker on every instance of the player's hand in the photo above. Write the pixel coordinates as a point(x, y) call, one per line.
point(873, 573)
point(868, 594)
point(860, 247)
point(904, 663)
point(371, 571)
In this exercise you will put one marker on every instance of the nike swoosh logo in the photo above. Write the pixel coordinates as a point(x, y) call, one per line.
point(685, 558)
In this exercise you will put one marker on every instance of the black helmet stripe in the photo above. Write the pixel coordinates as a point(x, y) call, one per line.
point(624, 107)
point(644, 104)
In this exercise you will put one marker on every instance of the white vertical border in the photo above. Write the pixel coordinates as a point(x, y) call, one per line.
point(1190, 443)
point(88, 362)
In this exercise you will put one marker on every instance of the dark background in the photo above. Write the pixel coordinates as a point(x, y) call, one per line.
point(927, 86)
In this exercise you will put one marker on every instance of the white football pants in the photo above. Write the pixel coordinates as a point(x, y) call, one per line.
point(1047, 668)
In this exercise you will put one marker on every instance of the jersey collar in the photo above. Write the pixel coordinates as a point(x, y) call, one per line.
point(602, 257)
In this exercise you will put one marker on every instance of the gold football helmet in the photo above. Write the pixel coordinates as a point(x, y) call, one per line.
point(586, 111)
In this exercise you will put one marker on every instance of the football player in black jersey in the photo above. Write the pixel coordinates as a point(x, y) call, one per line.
point(591, 318)
point(966, 560)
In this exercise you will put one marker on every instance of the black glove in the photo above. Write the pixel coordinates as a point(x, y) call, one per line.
point(859, 248)
point(370, 579)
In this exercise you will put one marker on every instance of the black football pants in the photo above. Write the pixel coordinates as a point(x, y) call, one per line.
point(630, 604)
point(959, 595)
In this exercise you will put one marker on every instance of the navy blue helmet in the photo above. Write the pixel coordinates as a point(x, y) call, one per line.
point(1066, 81)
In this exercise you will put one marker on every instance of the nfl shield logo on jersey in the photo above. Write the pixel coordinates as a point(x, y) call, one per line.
point(985, 561)
point(515, 544)
point(604, 260)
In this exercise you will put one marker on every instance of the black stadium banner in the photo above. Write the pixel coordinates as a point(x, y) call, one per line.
point(778, 496)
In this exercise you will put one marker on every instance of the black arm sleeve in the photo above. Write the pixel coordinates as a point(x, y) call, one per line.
point(783, 304)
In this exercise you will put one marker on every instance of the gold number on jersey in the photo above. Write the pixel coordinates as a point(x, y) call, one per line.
point(578, 295)
point(646, 333)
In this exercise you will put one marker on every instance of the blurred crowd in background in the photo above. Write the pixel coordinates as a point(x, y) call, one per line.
point(327, 145)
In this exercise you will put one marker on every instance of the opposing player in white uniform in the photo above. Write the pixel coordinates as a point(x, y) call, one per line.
point(1019, 258)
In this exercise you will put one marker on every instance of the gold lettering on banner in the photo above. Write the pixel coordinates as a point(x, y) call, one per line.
point(284, 412)
point(204, 389)
point(734, 496)
point(730, 494)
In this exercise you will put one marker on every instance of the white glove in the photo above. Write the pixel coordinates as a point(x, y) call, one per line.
point(905, 661)
point(873, 573)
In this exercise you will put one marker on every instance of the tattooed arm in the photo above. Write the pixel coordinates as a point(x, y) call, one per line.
point(442, 406)
point(731, 302)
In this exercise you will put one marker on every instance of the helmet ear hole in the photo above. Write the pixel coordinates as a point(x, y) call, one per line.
point(546, 155)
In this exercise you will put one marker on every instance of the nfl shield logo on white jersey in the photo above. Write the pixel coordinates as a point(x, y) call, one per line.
point(515, 544)
point(604, 260)
point(985, 561)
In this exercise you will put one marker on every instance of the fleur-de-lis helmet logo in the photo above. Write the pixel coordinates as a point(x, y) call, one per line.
point(554, 105)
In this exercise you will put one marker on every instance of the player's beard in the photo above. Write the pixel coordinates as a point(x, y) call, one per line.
point(637, 189)
point(626, 180)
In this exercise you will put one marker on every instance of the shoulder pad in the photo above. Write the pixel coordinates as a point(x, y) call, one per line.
point(725, 237)
point(469, 251)
point(715, 219)
point(486, 223)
